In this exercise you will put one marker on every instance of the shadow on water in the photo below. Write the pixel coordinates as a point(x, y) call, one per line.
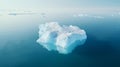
point(94, 46)
point(102, 51)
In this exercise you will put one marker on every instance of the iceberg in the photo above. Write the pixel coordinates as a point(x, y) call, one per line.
point(61, 38)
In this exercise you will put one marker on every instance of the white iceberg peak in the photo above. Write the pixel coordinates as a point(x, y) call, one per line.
point(63, 39)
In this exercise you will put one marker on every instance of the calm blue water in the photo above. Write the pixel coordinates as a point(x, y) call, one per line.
point(18, 47)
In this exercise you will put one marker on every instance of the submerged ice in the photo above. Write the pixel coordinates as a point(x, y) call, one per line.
point(61, 38)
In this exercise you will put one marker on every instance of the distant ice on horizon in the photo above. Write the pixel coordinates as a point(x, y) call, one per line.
point(61, 38)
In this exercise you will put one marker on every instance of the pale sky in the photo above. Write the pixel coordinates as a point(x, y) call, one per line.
point(37, 4)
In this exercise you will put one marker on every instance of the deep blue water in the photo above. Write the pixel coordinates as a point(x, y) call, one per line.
point(102, 48)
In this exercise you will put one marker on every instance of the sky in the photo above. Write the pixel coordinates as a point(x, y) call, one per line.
point(37, 4)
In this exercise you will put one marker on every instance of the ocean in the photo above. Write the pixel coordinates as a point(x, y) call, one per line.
point(18, 46)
